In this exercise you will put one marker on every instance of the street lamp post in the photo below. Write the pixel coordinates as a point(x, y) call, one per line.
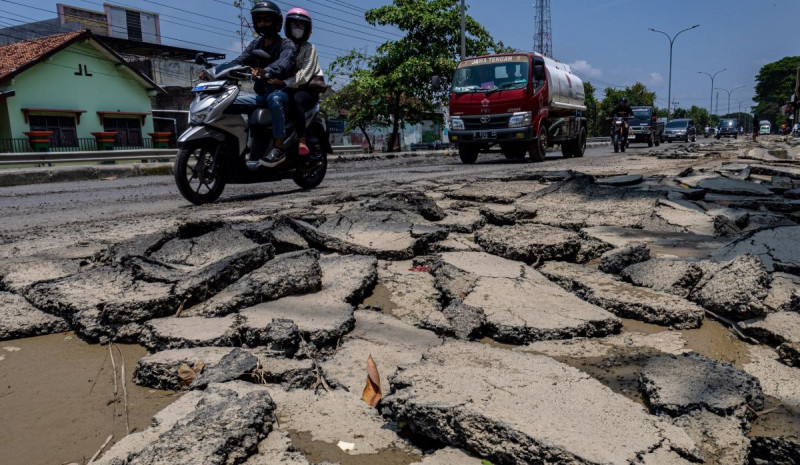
point(711, 103)
point(671, 41)
point(729, 95)
point(463, 30)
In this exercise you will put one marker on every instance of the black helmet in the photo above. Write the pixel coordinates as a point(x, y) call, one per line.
point(263, 8)
point(623, 101)
point(298, 14)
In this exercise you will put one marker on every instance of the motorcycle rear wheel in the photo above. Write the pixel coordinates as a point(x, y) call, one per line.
point(198, 175)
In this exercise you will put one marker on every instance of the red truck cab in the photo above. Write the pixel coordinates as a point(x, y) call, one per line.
point(507, 100)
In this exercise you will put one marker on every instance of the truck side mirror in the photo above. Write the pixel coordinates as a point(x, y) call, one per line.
point(538, 72)
point(436, 83)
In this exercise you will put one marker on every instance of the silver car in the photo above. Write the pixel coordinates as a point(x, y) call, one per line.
point(681, 129)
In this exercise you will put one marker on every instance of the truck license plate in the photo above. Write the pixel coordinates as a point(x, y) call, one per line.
point(632, 136)
point(485, 135)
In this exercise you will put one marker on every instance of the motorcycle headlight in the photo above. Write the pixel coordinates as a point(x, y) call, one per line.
point(200, 116)
point(520, 119)
point(456, 124)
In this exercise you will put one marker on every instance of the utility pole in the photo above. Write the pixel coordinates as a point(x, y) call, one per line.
point(463, 30)
point(671, 42)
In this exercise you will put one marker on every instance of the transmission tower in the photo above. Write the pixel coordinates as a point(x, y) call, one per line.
point(543, 38)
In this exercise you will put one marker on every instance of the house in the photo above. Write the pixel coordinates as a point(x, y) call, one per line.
point(73, 85)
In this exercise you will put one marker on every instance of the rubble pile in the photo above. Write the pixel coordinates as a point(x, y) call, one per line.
point(480, 301)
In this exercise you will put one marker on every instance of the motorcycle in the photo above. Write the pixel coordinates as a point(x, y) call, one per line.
point(229, 133)
point(708, 132)
point(619, 133)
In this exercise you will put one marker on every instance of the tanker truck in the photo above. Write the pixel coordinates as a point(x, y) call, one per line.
point(523, 102)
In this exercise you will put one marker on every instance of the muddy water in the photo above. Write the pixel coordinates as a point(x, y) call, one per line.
point(57, 401)
point(319, 451)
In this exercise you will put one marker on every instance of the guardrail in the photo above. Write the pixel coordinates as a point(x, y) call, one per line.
point(89, 156)
point(347, 149)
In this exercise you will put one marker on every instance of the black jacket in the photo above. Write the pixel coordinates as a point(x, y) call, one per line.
point(621, 110)
point(281, 65)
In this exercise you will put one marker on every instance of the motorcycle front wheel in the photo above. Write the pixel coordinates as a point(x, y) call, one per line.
point(615, 140)
point(197, 173)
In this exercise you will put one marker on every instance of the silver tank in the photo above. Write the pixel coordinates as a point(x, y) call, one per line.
point(566, 89)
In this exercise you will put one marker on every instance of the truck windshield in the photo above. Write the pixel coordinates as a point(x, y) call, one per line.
point(491, 77)
point(641, 112)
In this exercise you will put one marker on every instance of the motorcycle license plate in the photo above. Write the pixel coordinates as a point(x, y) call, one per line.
point(484, 135)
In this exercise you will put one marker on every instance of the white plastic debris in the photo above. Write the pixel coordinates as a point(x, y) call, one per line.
point(346, 446)
point(11, 349)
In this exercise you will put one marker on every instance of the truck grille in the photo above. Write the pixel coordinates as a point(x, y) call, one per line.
point(495, 122)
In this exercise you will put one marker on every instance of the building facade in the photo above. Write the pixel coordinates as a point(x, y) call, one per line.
point(73, 86)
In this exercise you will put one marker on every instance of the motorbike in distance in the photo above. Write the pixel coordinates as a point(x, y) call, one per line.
point(619, 132)
point(229, 133)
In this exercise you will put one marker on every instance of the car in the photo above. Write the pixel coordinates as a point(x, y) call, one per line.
point(682, 129)
point(644, 126)
point(728, 127)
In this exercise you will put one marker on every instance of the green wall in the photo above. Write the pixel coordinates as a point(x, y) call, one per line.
point(53, 84)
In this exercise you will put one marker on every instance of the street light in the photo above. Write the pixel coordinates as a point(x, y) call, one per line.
point(463, 31)
point(729, 95)
point(711, 103)
point(671, 41)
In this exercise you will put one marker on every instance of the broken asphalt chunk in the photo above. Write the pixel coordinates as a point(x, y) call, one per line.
point(529, 242)
point(511, 407)
point(623, 299)
point(679, 384)
point(502, 289)
point(19, 319)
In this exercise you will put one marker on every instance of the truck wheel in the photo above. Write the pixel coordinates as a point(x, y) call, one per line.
point(538, 147)
point(567, 149)
point(651, 140)
point(580, 144)
point(468, 153)
point(513, 151)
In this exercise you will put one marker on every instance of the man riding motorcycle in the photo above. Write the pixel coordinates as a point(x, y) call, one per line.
point(268, 22)
point(624, 110)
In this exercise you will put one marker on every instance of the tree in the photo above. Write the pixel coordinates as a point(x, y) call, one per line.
point(397, 78)
point(774, 88)
point(636, 94)
point(592, 108)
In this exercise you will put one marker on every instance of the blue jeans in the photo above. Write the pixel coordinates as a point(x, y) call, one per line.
point(278, 102)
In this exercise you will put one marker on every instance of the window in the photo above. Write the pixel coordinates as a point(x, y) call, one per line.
point(63, 127)
point(129, 131)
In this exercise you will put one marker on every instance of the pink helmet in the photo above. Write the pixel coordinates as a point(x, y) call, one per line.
point(298, 14)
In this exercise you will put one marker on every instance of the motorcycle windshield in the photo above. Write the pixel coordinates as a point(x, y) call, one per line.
point(490, 74)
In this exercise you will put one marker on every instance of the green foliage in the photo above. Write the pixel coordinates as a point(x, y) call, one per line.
point(393, 86)
point(486, 462)
point(592, 108)
point(774, 88)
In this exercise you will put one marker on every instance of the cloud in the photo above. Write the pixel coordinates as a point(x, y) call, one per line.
point(655, 79)
point(583, 66)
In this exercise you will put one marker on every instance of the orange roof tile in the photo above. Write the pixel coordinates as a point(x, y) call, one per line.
point(17, 55)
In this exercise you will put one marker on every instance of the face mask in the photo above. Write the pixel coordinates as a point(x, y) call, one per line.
point(297, 32)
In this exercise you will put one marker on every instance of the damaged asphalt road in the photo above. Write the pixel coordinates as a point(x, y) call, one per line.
point(498, 301)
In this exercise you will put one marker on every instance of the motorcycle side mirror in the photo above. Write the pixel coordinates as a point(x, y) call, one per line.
point(200, 59)
point(262, 54)
point(538, 72)
point(436, 83)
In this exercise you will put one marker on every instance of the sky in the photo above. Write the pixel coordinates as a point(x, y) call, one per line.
point(607, 42)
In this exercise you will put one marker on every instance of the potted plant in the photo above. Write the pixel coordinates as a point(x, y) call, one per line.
point(39, 140)
point(105, 139)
